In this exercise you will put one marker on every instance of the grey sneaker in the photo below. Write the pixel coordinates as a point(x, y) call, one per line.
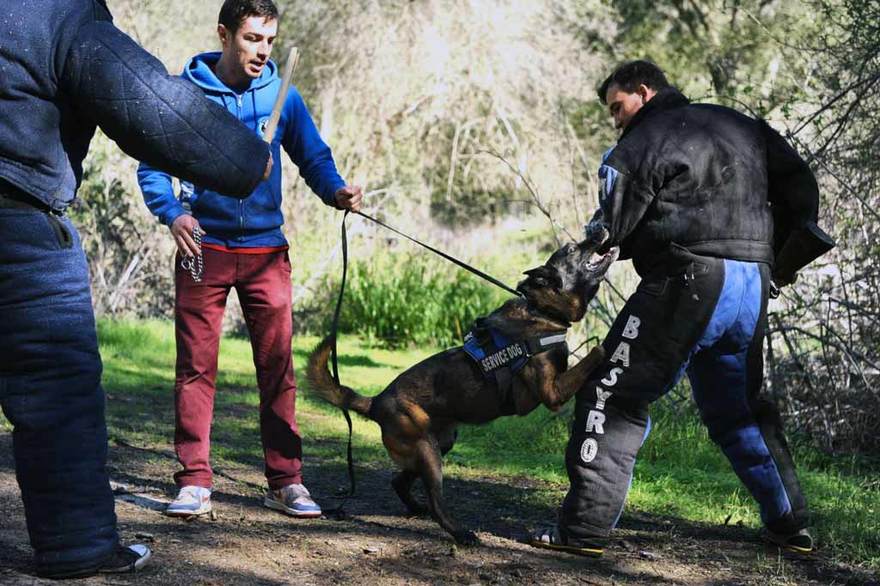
point(293, 500)
point(190, 501)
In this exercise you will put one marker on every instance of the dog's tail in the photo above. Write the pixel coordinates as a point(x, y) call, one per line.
point(328, 389)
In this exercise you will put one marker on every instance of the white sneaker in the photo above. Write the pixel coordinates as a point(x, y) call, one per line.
point(190, 501)
point(294, 500)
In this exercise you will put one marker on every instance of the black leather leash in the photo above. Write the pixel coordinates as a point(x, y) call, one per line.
point(339, 511)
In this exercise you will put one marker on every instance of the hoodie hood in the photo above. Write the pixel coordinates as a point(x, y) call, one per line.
point(200, 71)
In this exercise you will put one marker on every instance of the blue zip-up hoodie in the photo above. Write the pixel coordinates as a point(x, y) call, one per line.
point(256, 220)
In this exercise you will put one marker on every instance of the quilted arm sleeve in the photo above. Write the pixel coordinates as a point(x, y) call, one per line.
point(161, 120)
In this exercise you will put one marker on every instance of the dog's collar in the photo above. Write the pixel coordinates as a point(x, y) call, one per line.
point(563, 323)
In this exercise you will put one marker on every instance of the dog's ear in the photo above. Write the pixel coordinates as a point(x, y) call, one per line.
point(544, 276)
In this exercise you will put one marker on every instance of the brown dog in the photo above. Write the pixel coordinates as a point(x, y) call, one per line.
point(419, 411)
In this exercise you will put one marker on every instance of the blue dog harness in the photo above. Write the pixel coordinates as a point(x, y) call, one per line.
point(499, 358)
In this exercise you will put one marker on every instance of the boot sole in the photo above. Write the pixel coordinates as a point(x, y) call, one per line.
point(184, 514)
point(793, 548)
point(590, 552)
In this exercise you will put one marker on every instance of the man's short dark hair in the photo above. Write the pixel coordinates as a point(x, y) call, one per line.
point(630, 75)
point(234, 12)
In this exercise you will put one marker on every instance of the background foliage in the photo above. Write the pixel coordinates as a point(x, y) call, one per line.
point(474, 125)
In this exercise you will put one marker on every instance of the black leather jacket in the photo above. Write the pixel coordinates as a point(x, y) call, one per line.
point(65, 69)
point(704, 177)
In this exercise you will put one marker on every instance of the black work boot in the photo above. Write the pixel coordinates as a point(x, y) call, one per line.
point(124, 559)
point(799, 541)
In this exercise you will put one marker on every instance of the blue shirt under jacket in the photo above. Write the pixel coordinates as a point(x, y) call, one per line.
point(256, 220)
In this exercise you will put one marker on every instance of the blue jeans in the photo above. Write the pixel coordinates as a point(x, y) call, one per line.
point(50, 375)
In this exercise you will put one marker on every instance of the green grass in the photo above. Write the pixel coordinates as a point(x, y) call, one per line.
point(680, 473)
point(139, 378)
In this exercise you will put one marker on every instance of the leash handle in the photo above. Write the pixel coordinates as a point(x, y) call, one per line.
point(448, 257)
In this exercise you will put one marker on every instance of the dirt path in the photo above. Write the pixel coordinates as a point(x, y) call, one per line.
point(376, 544)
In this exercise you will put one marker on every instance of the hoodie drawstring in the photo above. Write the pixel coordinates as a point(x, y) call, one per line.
point(256, 118)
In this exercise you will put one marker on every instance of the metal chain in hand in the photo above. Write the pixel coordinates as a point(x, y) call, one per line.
point(195, 264)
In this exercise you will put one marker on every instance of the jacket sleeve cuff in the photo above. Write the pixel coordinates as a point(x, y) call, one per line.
point(173, 214)
point(330, 196)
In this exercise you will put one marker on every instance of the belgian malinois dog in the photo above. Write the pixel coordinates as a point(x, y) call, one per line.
point(420, 410)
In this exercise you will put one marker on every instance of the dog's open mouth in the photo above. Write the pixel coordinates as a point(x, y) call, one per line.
point(601, 262)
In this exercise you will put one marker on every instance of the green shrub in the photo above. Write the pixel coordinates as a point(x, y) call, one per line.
point(406, 298)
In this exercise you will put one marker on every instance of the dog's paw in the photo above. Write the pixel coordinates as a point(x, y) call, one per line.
point(466, 538)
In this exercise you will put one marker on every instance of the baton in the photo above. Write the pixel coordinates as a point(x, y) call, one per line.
point(289, 68)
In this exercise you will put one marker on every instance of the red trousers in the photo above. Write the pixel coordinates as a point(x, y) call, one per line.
point(262, 282)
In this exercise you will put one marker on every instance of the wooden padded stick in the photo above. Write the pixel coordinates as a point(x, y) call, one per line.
point(289, 68)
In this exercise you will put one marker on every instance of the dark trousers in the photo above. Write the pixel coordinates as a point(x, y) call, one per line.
point(263, 285)
point(706, 317)
point(50, 391)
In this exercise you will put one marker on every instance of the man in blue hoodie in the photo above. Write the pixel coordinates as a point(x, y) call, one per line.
point(242, 246)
